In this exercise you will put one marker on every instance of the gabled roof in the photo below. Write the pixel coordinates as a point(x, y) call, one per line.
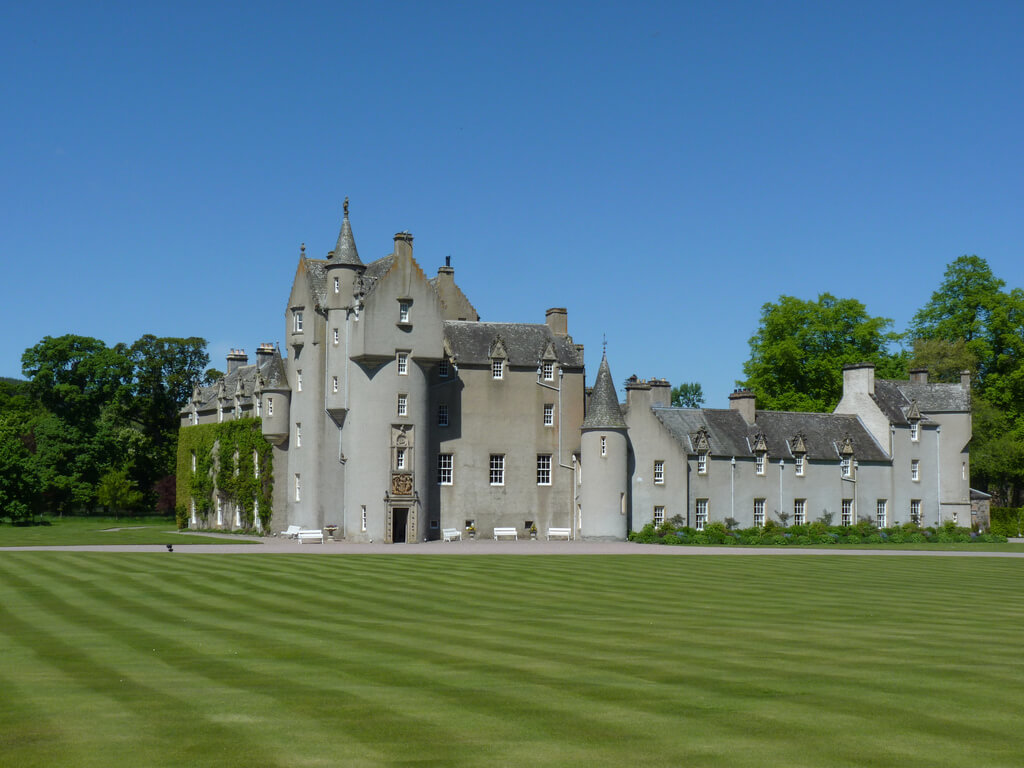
point(524, 343)
point(242, 383)
point(895, 399)
point(730, 435)
point(603, 406)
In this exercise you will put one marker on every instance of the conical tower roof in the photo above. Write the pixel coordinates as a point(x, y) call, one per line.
point(345, 251)
point(603, 409)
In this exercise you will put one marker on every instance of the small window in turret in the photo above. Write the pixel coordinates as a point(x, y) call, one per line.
point(337, 285)
point(270, 406)
point(297, 321)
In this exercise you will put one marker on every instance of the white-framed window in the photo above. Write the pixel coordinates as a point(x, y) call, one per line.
point(259, 406)
point(549, 414)
point(193, 461)
point(403, 310)
point(270, 406)
point(445, 469)
point(362, 519)
point(403, 363)
point(604, 445)
point(915, 511)
point(915, 470)
point(702, 463)
point(444, 369)
point(543, 469)
point(659, 472)
point(220, 511)
point(497, 369)
point(915, 431)
point(334, 384)
point(880, 513)
point(799, 511)
point(442, 415)
point(399, 458)
point(497, 469)
point(759, 513)
point(298, 487)
point(298, 381)
point(298, 435)
point(297, 321)
point(403, 405)
point(846, 466)
point(798, 464)
point(548, 371)
point(701, 518)
point(760, 461)
point(255, 465)
point(659, 516)
point(846, 517)
point(335, 336)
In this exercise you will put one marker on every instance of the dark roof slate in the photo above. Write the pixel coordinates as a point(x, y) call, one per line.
point(524, 343)
point(934, 396)
point(603, 411)
point(271, 371)
point(730, 435)
point(345, 251)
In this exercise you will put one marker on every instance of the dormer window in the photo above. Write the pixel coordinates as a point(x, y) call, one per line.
point(799, 464)
point(548, 371)
point(915, 431)
point(760, 460)
point(702, 463)
point(846, 466)
point(497, 369)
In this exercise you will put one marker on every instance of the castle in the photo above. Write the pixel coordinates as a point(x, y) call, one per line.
point(396, 413)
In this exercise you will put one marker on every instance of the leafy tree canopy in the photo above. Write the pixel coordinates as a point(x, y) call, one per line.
point(689, 394)
point(800, 347)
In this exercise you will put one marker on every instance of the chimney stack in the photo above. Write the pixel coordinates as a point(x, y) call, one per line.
point(965, 379)
point(264, 352)
point(859, 378)
point(557, 319)
point(236, 358)
point(918, 375)
point(403, 244)
point(744, 401)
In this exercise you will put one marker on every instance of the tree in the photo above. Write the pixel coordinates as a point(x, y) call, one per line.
point(943, 359)
point(116, 492)
point(800, 347)
point(689, 394)
point(19, 480)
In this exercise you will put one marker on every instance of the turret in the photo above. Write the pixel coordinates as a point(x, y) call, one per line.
point(343, 267)
point(604, 455)
point(275, 400)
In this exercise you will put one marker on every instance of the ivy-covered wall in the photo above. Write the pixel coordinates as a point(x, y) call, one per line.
point(224, 463)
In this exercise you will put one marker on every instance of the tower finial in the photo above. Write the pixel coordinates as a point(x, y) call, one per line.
point(302, 249)
point(604, 344)
point(346, 206)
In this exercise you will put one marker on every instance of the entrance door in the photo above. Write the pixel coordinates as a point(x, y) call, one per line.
point(399, 523)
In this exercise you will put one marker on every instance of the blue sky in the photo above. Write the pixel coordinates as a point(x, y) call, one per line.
point(661, 169)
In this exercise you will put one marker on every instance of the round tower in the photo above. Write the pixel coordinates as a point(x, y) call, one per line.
point(343, 267)
point(604, 453)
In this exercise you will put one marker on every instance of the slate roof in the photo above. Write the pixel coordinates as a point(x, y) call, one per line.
point(271, 371)
point(345, 251)
point(316, 274)
point(730, 435)
point(935, 397)
point(603, 409)
point(524, 343)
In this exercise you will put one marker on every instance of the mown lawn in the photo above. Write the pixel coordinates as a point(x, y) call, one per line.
point(69, 531)
point(164, 659)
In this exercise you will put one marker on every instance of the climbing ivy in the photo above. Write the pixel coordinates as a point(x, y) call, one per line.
point(224, 464)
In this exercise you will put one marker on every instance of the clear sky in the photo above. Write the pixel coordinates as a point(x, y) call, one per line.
point(660, 169)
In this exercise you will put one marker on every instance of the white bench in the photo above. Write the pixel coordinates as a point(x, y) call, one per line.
point(560, 533)
point(310, 535)
point(451, 534)
point(292, 532)
point(506, 532)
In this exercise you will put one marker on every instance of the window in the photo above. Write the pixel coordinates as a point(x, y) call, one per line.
point(403, 311)
point(193, 461)
point(297, 321)
point(915, 431)
point(543, 469)
point(847, 515)
point(845, 465)
point(799, 465)
point(444, 469)
point(403, 405)
point(363, 518)
point(702, 463)
point(497, 369)
point(442, 415)
point(255, 465)
point(759, 462)
point(915, 511)
point(298, 435)
point(702, 514)
point(259, 407)
point(497, 469)
point(604, 445)
point(334, 384)
point(444, 369)
point(270, 406)
point(298, 381)
point(400, 458)
point(298, 487)
point(799, 511)
point(880, 513)
point(403, 363)
point(548, 371)
point(549, 414)
point(337, 285)
point(659, 516)
point(759, 513)
point(659, 472)
point(335, 336)
point(915, 470)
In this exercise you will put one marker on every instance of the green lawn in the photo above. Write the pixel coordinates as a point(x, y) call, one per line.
point(158, 659)
point(65, 531)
